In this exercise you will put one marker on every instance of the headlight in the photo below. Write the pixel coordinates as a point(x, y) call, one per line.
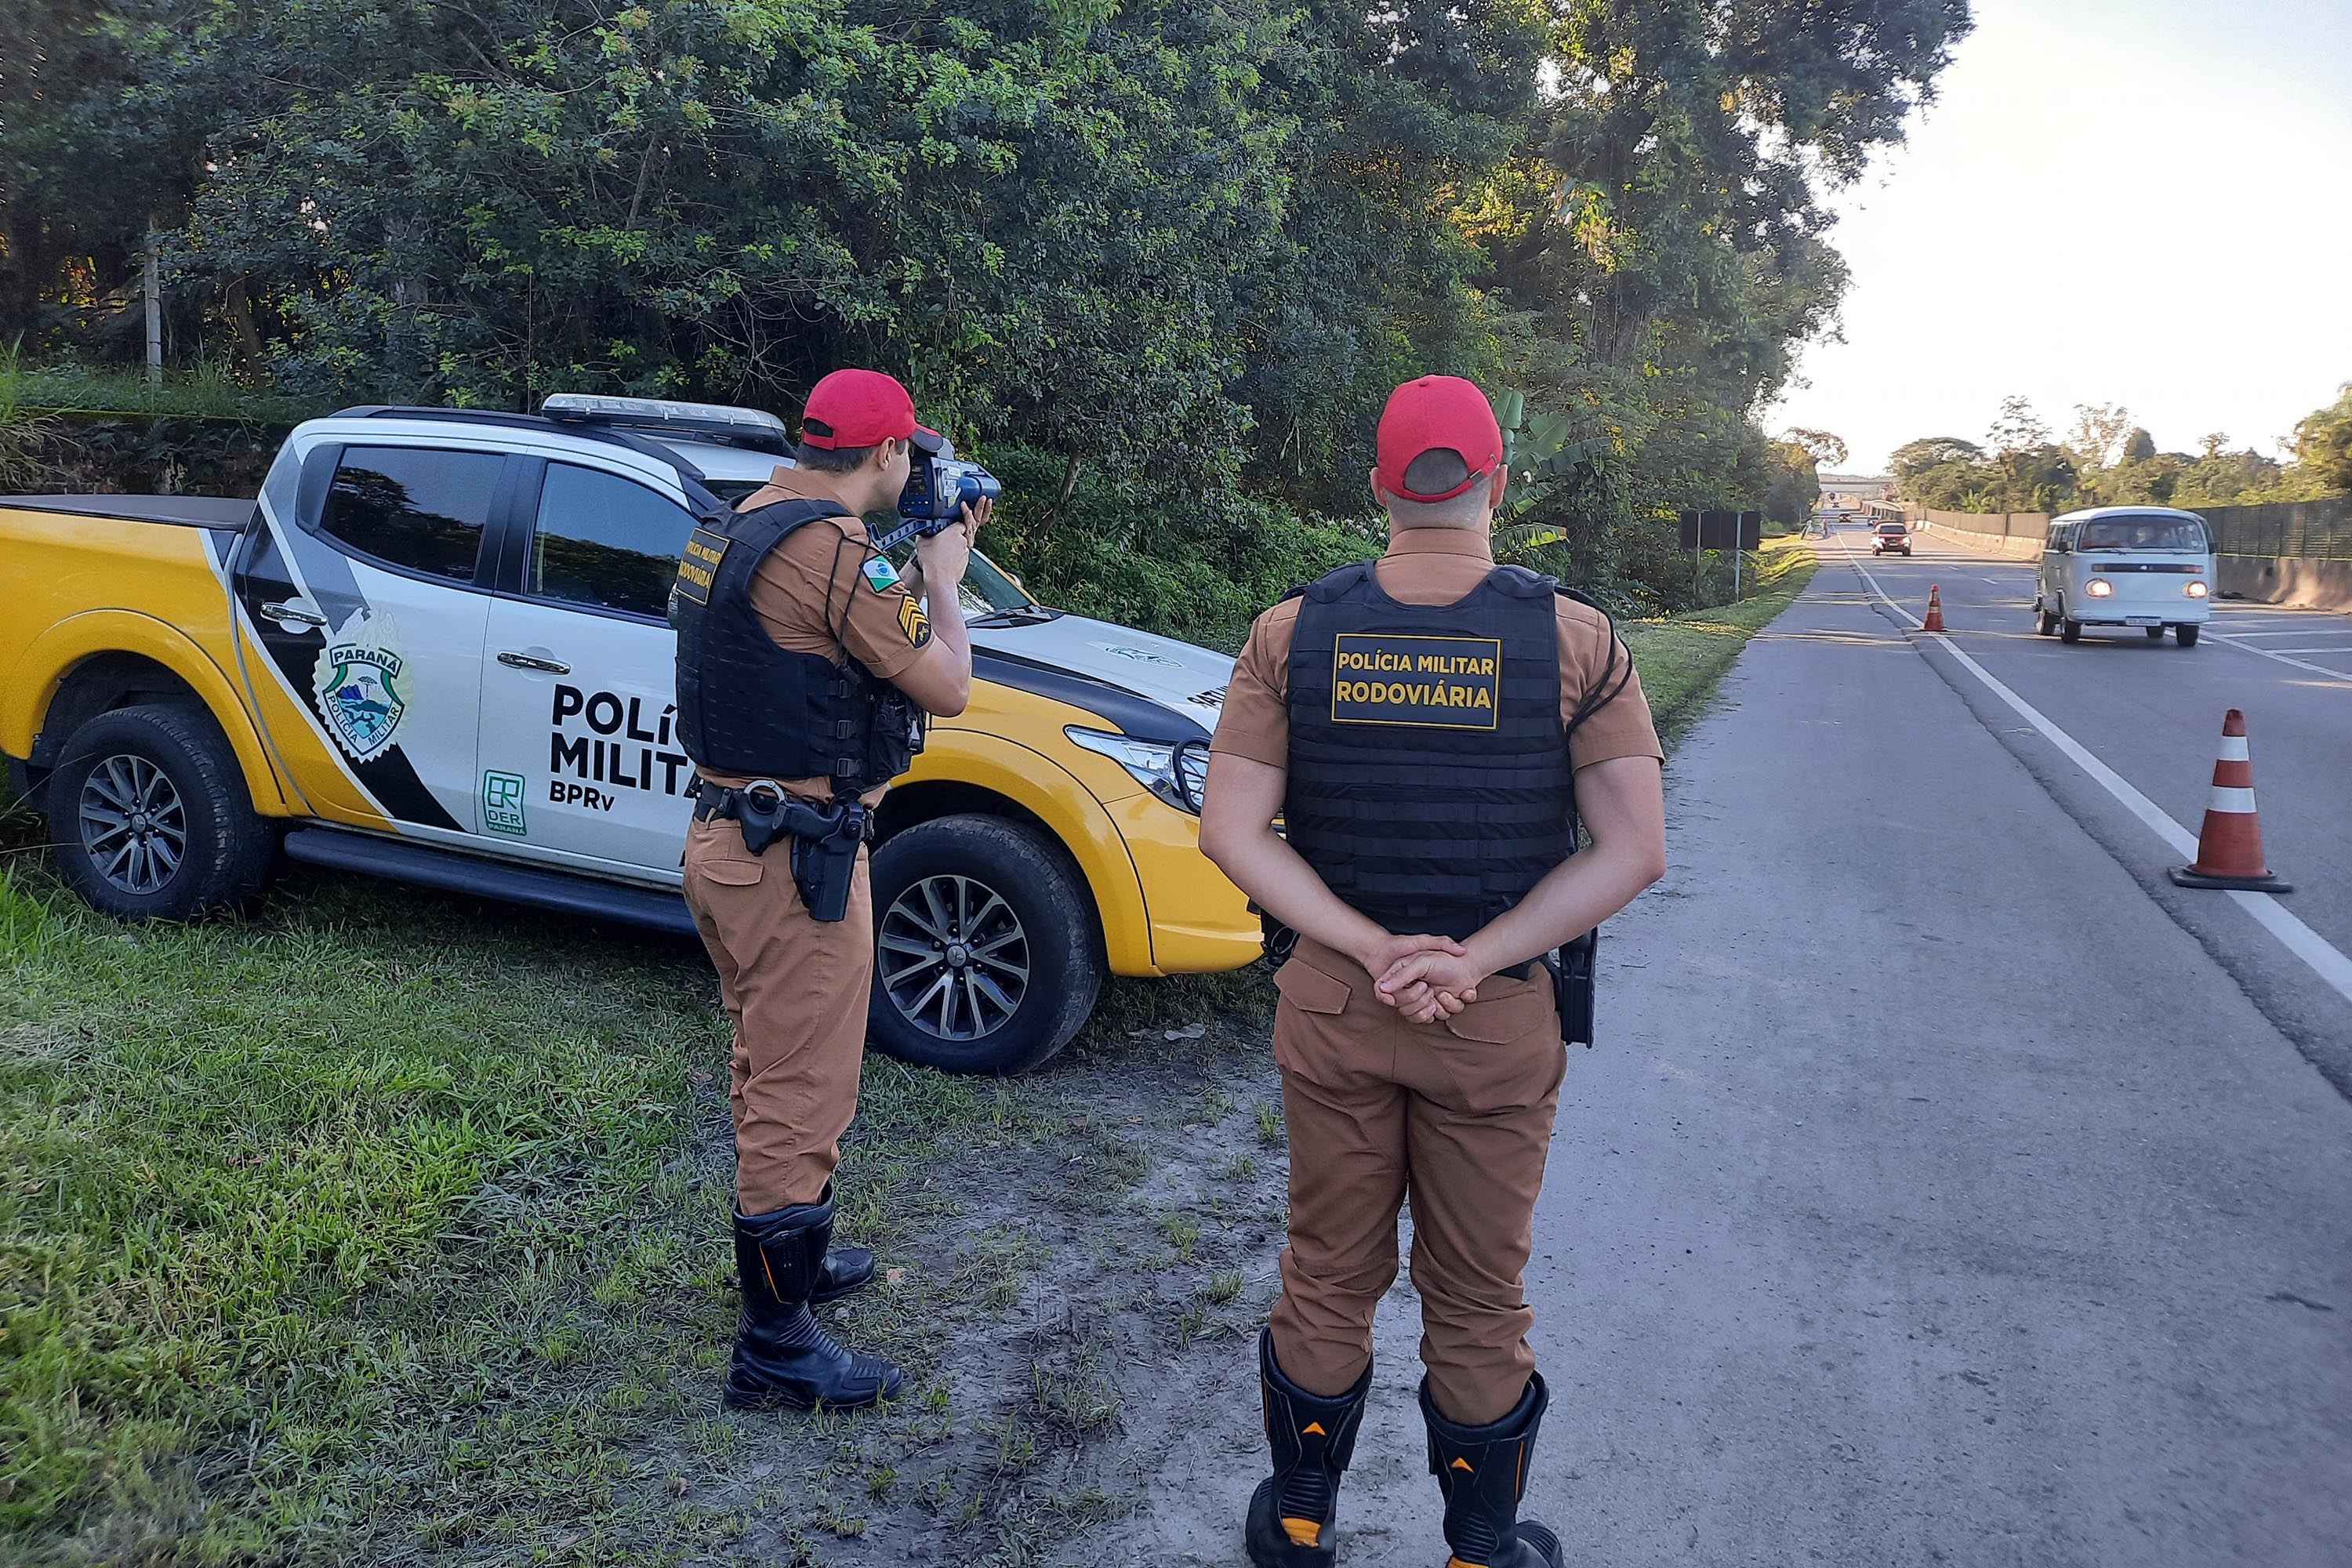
point(2098, 587)
point(1176, 773)
point(2196, 590)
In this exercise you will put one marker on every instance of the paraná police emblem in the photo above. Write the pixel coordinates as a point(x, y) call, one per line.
point(361, 682)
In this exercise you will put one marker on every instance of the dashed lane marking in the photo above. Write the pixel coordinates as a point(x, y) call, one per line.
point(2298, 938)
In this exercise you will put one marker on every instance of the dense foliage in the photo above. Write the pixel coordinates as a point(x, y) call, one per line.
point(1167, 259)
point(2107, 460)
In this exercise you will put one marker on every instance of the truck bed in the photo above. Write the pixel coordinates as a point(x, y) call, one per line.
point(225, 512)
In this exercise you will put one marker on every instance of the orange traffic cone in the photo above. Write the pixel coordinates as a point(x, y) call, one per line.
point(2230, 846)
point(1935, 621)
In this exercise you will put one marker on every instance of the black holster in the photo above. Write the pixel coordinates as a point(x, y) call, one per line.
point(825, 842)
point(1573, 987)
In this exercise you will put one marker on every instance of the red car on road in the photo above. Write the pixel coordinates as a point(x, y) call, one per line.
point(1889, 537)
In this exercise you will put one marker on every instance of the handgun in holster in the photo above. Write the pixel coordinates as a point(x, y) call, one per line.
point(1572, 987)
point(826, 841)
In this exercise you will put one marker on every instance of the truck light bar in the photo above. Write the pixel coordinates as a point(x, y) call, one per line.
point(747, 427)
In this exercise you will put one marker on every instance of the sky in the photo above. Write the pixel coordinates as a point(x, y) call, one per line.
point(2141, 202)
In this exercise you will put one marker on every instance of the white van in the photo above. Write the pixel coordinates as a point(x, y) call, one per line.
point(2144, 566)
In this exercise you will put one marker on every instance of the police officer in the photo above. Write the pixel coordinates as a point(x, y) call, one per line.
point(1420, 723)
point(799, 653)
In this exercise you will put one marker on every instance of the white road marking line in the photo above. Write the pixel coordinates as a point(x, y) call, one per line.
point(2231, 639)
point(2298, 938)
point(2290, 632)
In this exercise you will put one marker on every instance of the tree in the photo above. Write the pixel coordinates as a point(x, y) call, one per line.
point(2016, 428)
point(1914, 457)
point(1199, 238)
point(90, 155)
point(2042, 477)
point(2322, 442)
point(2099, 434)
point(2209, 446)
point(1795, 486)
point(2138, 446)
point(1821, 445)
point(1660, 238)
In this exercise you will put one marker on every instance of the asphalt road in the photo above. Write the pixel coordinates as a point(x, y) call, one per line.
point(1938, 1193)
point(2152, 712)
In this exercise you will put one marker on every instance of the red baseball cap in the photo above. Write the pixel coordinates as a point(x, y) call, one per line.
point(1433, 413)
point(862, 409)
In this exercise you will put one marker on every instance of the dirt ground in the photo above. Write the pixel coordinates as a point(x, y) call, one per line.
point(1072, 1304)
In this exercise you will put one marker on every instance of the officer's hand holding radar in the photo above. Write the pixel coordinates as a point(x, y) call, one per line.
point(805, 665)
point(1429, 727)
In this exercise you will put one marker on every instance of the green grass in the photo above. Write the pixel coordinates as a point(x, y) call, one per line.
point(380, 1225)
point(1682, 657)
point(206, 393)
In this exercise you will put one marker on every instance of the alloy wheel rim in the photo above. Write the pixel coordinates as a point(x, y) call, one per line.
point(134, 827)
point(953, 958)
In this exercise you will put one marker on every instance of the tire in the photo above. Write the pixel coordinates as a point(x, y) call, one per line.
point(189, 840)
point(2155, 634)
point(2068, 631)
point(2185, 636)
point(1020, 897)
point(2044, 623)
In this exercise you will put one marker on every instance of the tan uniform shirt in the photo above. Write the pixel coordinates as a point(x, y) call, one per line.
point(814, 595)
point(1440, 566)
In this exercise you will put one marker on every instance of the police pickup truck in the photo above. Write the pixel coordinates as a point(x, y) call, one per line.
point(436, 649)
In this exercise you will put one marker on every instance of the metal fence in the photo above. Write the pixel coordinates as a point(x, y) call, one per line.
point(2301, 530)
point(2277, 531)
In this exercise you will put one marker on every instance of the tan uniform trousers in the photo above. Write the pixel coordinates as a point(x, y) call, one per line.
point(796, 990)
point(1458, 1114)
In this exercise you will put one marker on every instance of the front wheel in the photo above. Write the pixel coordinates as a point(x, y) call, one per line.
point(150, 817)
point(2044, 623)
point(2185, 636)
point(985, 957)
point(2069, 630)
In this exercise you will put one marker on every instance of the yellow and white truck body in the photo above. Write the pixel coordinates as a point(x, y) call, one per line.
point(435, 648)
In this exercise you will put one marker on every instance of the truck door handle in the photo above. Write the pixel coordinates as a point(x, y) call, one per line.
point(295, 613)
point(533, 661)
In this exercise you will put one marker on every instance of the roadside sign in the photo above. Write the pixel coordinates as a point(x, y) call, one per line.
point(1722, 529)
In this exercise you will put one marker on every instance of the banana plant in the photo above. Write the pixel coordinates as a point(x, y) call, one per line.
point(1543, 458)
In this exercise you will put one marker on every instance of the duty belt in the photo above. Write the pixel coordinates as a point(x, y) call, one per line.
point(722, 801)
point(824, 839)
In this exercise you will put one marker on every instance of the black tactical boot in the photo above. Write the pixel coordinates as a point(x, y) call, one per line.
point(1483, 1472)
point(782, 1357)
point(845, 1268)
point(1291, 1516)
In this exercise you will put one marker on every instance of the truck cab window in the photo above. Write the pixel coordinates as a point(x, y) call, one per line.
point(605, 542)
point(413, 507)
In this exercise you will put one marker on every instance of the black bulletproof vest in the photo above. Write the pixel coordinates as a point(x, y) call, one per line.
point(1430, 786)
point(746, 706)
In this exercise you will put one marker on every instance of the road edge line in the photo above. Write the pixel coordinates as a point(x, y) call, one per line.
point(2322, 956)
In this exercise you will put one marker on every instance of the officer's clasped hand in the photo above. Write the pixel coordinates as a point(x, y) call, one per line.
point(1432, 982)
point(1394, 962)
